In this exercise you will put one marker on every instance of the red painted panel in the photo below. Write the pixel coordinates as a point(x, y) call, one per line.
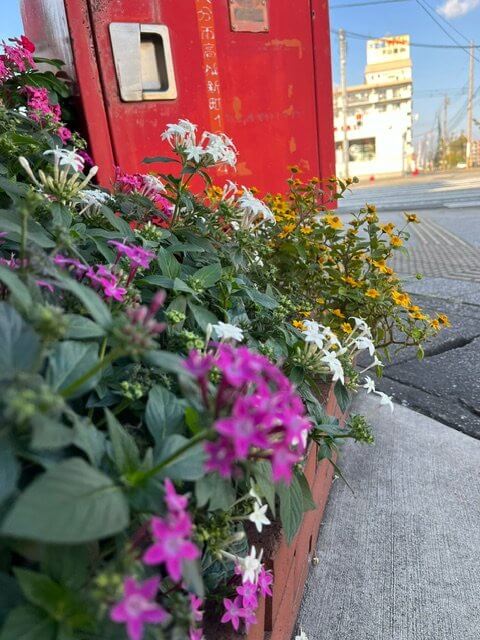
point(272, 93)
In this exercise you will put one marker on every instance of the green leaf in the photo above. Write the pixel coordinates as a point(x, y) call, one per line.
point(90, 300)
point(28, 623)
point(49, 434)
point(125, 451)
point(308, 502)
point(192, 577)
point(9, 467)
point(342, 396)
point(291, 507)
point(203, 317)
point(10, 221)
point(159, 281)
point(67, 564)
point(39, 590)
point(19, 293)
point(164, 413)
point(214, 491)
point(81, 328)
point(261, 298)
point(188, 466)
point(209, 275)
point(167, 361)
point(20, 345)
point(10, 595)
point(70, 503)
point(169, 266)
point(69, 361)
point(116, 222)
point(180, 285)
point(264, 479)
point(90, 440)
point(158, 159)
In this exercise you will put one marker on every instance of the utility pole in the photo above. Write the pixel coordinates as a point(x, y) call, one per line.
point(446, 102)
point(343, 82)
point(471, 80)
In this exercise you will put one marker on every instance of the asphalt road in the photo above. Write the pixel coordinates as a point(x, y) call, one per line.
point(445, 247)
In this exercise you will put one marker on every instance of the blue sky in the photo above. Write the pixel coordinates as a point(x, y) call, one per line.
point(435, 69)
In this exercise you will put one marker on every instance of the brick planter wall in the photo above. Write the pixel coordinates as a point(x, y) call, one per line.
point(290, 563)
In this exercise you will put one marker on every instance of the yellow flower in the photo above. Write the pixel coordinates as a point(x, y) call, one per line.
point(314, 180)
point(299, 324)
point(293, 168)
point(414, 308)
point(388, 228)
point(443, 319)
point(254, 190)
point(435, 324)
point(333, 221)
point(418, 315)
point(306, 230)
point(412, 217)
point(320, 300)
point(372, 293)
point(346, 327)
point(395, 241)
point(351, 281)
point(338, 313)
point(401, 299)
point(371, 208)
point(306, 314)
point(287, 230)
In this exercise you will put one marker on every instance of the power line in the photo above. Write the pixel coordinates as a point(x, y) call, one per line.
point(447, 22)
point(363, 36)
point(364, 4)
point(447, 33)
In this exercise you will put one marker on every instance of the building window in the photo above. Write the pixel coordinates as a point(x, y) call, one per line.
point(362, 150)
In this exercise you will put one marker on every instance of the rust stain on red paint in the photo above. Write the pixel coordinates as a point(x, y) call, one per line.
point(294, 43)
point(289, 111)
point(237, 108)
point(243, 170)
point(292, 145)
point(290, 90)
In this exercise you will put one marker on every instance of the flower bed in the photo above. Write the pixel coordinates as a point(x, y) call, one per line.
point(163, 379)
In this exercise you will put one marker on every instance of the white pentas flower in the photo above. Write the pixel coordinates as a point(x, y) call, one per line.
point(259, 517)
point(302, 635)
point(369, 385)
point(227, 331)
point(250, 565)
point(220, 148)
point(253, 212)
point(330, 358)
point(312, 333)
point(92, 199)
point(229, 191)
point(364, 342)
point(67, 158)
point(180, 133)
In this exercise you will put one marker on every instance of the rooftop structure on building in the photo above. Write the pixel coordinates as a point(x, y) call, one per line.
point(379, 113)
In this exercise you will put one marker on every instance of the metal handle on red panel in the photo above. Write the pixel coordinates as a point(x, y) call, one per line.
point(143, 61)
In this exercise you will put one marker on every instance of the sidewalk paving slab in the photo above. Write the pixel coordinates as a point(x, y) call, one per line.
point(400, 559)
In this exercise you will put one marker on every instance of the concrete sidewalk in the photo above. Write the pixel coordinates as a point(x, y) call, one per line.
point(400, 559)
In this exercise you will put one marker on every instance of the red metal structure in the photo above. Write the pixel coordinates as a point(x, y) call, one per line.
point(258, 70)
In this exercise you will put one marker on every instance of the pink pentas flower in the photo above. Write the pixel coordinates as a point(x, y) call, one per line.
point(248, 592)
point(64, 134)
point(265, 581)
point(138, 608)
point(195, 634)
point(175, 501)
point(171, 544)
point(86, 157)
point(138, 256)
point(258, 411)
point(249, 616)
point(195, 604)
point(234, 611)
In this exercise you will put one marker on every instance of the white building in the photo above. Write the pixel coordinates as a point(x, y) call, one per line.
point(379, 113)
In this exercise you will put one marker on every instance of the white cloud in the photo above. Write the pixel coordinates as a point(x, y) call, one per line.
point(456, 8)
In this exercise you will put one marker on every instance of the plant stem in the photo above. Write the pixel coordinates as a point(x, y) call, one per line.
point(101, 364)
point(202, 435)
